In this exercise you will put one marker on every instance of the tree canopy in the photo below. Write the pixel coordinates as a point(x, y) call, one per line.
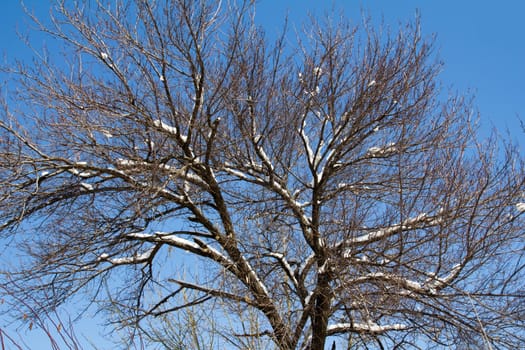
point(176, 159)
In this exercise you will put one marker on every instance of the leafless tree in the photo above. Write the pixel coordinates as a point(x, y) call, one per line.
point(325, 188)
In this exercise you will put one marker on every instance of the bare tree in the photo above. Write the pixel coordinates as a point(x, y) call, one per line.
point(325, 189)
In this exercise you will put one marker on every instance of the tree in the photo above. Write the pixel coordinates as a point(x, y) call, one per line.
point(324, 189)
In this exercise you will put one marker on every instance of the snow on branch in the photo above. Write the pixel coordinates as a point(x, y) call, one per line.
point(166, 238)
point(270, 183)
point(286, 266)
point(382, 151)
point(262, 154)
point(434, 284)
point(79, 170)
point(309, 151)
point(409, 224)
point(431, 286)
point(128, 260)
point(197, 247)
point(369, 327)
point(181, 173)
point(169, 129)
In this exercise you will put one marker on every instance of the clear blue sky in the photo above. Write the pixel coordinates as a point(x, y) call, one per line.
point(482, 43)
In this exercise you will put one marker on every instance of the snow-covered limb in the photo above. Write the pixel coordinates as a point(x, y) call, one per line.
point(309, 151)
point(382, 151)
point(369, 327)
point(167, 238)
point(295, 205)
point(286, 266)
point(303, 269)
point(79, 170)
point(135, 259)
point(264, 157)
point(198, 247)
point(435, 283)
point(520, 207)
point(430, 286)
point(399, 281)
point(409, 224)
point(180, 173)
point(106, 134)
point(86, 186)
point(169, 129)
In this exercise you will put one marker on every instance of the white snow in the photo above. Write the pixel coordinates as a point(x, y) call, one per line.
point(381, 151)
point(309, 151)
point(387, 231)
point(125, 162)
point(107, 134)
point(520, 207)
point(86, 186)
point(286, 266)
point(104, 55)
point(433, 283)
point(372, 83)
point(318, 71)
point(103, 257)
point(137, 258)
point(168, 128)
point(364, 327)
point(265, 157)
point(257, 280)
point(162, 78)
point(43, 173)
point(373, 150)
point(80, 173)
point(420, 217)
point(308, 298)
point(322, 269)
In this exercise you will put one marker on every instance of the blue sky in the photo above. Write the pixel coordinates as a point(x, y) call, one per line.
point(482, 44)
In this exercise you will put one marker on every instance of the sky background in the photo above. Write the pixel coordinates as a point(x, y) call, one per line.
point(481, 42)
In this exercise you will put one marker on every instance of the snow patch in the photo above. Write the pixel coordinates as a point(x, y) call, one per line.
point(382, 151)
point(372, 83)
point(137, 258)
point(86, 186)
point(103, 256)
point(365, 327)
point(125, 163)
point(168, 128)
point(520, 207)
point(323, 268)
